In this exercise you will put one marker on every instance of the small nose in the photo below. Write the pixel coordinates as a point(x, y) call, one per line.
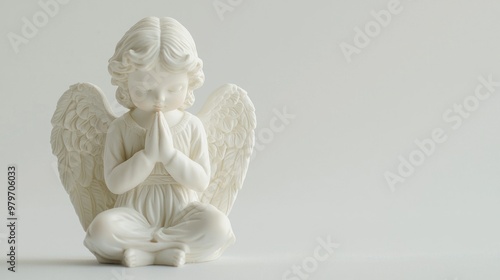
point(158, 96)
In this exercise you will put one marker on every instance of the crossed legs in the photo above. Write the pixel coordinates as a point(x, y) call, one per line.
point(200, 232)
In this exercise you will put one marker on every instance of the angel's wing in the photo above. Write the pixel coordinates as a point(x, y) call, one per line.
point(80, 124)
point(229, 120)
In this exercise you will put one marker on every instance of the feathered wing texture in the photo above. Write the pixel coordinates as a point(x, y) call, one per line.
point(80, 124)
point(229, 120)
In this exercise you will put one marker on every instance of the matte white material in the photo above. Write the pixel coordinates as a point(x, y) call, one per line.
point(155, 185)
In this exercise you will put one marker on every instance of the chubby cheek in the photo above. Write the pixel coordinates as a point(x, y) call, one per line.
point(178, 100)
point(143, 104)
point(181, 98)
point(181, 102)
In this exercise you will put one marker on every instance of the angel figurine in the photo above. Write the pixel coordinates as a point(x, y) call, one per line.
point(155, 185)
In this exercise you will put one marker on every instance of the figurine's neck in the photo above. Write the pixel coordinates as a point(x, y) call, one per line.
point(145, 118)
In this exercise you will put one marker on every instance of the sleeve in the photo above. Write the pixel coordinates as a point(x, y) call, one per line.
point(192, 171)
point(122, 174)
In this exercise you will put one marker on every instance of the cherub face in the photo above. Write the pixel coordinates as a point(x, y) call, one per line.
point(157, 90)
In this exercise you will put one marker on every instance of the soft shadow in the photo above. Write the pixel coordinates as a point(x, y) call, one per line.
point(61, 262)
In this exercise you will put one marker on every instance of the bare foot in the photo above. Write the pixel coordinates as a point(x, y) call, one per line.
point(171, 256)
point(134, 257)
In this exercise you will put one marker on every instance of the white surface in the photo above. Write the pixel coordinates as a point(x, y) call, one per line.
point(320, 174)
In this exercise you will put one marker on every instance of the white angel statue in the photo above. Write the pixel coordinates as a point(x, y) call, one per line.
point(155, 185)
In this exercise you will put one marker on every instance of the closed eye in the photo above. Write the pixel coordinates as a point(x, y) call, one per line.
point(141, 91)
point(175, 89)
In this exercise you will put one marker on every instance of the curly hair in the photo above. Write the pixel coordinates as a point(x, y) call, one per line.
point(153, 41)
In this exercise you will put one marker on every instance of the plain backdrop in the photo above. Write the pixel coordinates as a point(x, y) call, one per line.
point(318, 175)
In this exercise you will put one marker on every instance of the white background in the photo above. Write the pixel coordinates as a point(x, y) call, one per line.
point(323, 174)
